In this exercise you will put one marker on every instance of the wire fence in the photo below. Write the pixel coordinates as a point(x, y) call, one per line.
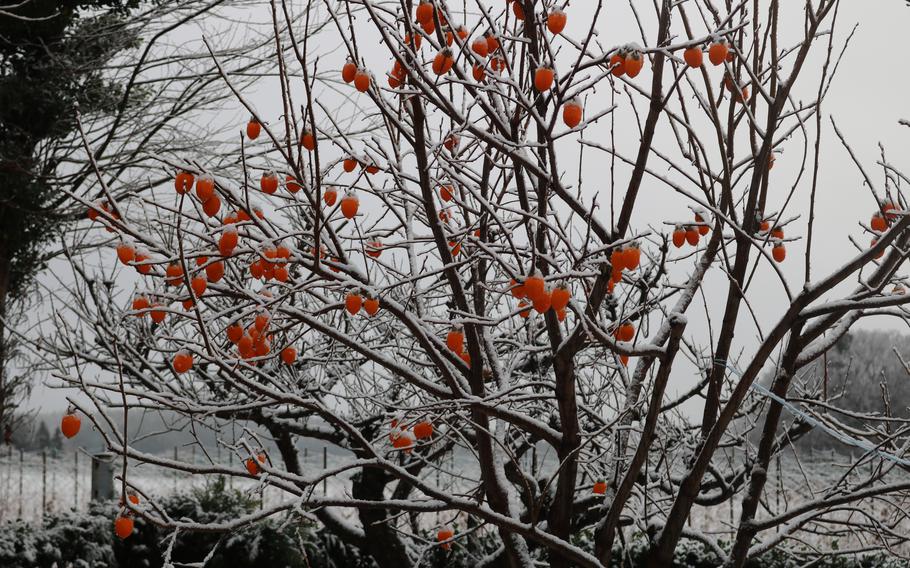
point(35, 484)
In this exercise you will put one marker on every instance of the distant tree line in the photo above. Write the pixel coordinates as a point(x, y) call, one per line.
point(865, 372)
point(37, 435)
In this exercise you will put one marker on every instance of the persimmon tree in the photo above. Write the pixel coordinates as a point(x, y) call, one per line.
point(436, 254)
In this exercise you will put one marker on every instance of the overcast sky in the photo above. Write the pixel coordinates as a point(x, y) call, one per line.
point(867, 99)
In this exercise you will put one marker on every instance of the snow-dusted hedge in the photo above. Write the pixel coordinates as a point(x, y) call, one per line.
point(86, 540)
point(82, 540)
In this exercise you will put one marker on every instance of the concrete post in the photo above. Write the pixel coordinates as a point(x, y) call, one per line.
point(103, 476)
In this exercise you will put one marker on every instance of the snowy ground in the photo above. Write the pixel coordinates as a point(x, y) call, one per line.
point(65, 483)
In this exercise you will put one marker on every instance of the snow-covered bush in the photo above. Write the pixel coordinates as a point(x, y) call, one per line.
point(83, 540)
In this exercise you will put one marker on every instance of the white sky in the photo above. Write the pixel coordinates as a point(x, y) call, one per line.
point(867, 99)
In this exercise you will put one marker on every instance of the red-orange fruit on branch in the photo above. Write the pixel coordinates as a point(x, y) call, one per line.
point(543, 302)
point(679, 236)
point(228, 241)
point(253, 128)
point(703, 227)
point(362, 80)
point(443, 62)
point(880, 253)
point(268, 183)
point(205, 188)
point(211, 206)
point(572, 113)
point(397, 76)
point(560, 297)
point(288, 355)
point(252, 466)
point(308, 140)
point(424, 12)
point(215, 271)
point(556, 21)
point(534, 286)
point(199, 285)
point(423, 430)
point(618, 64)
point(779, 252)
point(183, 361)
point(631, 257)
point(878, 223)
point(292, 185)
point(141, 303)
point(404, 441)
point(234, 332)
point(174, 273)
point(451, 142)
point(492, 43)
point(718, 51)
point(141, 257)
point(455, 339)
point(625, 332)
point(633, 63)
point(371, 306)
point(353, 303)
point(70, 424)
point(543, 78)
point(480, 47)
point(694, 56)
point(126, 253)
point(349, 205)
point(123, 526)
point(444, 535)
point(183, 182)
point(349, 71)
point(518, 11)
point(157, 313)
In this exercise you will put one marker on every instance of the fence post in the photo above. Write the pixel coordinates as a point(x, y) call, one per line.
point(325, 466)
point(20, 483)
point(8, 484)
point(53, 501)
point(103, 476)
point(43, 482)
point(76, 480)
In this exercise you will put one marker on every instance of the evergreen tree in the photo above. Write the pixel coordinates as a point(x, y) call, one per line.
point(52, 58)
point(42, 437)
